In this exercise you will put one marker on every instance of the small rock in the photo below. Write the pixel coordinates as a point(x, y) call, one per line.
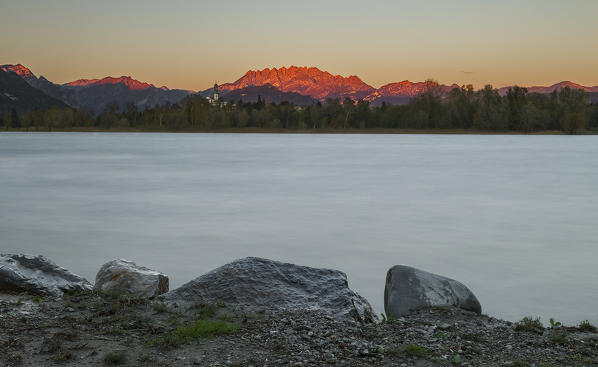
point(444, 326)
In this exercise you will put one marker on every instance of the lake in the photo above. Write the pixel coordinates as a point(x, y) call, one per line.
point(513, 217)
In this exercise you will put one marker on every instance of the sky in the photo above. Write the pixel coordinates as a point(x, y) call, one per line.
point(191, 44)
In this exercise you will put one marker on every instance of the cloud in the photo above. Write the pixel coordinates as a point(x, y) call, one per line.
point(467, 72)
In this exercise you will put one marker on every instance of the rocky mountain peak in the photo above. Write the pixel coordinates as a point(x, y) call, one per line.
point(128, 81)
point(309, 81)
point(18, 69)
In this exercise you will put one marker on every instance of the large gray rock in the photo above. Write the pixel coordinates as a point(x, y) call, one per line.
point(122, 277)
point(37, 275)
point(266, 284)
point(409, 289)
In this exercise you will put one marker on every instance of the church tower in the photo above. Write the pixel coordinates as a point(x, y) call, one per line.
point(215, 96)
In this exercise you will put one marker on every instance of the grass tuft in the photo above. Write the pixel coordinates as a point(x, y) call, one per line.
point(64, 356)
point(204, 310)
point(196, 330)
point(558, 336)
point(202, 329)
point(159, 307)
point(415, 350)
point(586, 326)
point(114, 358)
point(530, 324)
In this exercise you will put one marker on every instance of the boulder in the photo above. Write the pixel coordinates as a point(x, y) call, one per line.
point(409, 289)
point(38, 275)
point(265, 284)
point(122, 277)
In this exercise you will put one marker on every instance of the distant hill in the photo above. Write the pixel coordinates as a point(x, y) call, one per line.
point(552, 88)
point(269, 94)
point(402, 92)
point(95, 94)
point(16, 93)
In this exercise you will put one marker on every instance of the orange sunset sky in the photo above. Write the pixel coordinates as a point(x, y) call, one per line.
point(190, 44)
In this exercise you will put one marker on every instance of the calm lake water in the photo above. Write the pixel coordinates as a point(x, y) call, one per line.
point(515, 218)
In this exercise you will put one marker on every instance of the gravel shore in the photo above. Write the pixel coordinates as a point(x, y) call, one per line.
point(90, 330)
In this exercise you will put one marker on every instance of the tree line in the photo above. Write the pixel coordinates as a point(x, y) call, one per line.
point(567, 110)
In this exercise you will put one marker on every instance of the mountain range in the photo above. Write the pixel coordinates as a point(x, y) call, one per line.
point(93, 95)
point(306, 81)
point(16, 93)
point(299, 85)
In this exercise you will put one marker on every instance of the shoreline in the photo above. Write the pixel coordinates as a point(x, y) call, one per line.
point(87, 329)
point(307, 131)
point(262, 313)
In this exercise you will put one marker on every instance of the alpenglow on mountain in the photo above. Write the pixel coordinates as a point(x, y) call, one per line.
point(17, 94)
point(298, 85)
point(321, 85)
point(303, 80)
point(127, 81)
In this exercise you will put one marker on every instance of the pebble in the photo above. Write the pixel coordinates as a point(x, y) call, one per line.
point(444, 326)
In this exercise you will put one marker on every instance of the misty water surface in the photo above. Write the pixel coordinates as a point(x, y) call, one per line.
point(512, 217)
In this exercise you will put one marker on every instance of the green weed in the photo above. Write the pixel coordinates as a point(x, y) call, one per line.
point(558, 336)
point(64, 356)
point(415, 350)
point(204, 310)
point(554, 324)
point(159, 307)
point(530, 324)
point(586, 326)
point(387, 320)
point(114, 358)
point(197, 330)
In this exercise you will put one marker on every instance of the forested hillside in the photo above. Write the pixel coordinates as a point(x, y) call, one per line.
point(567, 110)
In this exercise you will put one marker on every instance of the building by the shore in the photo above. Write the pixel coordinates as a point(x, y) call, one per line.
point(214, 99)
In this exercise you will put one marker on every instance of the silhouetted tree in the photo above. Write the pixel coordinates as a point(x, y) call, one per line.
point(516, 100)
point(15, 121)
